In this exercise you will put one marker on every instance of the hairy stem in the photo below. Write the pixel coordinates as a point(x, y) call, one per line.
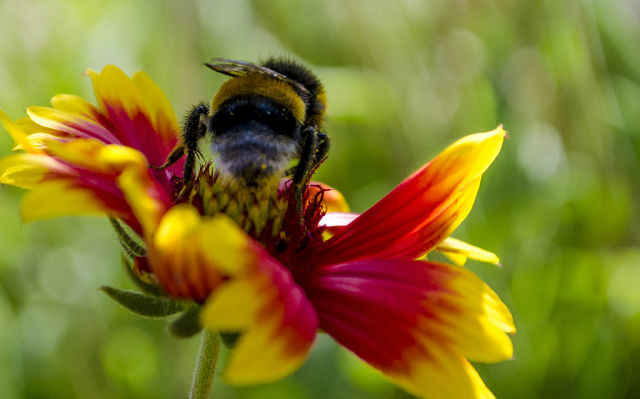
point(205, 365)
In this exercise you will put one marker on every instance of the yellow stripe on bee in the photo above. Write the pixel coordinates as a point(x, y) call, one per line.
point(321, 96)
point(261, 85)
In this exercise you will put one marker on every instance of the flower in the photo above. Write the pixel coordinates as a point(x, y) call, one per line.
point(260, 268)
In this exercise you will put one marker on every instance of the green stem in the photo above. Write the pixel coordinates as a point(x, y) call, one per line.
point(205, 365)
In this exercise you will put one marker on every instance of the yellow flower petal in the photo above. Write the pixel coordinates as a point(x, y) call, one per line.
point(264, 355)
point(59, 198)
point(75, 104)
point(140, 115)
point(112, 86)
point(456, 259)
point(442, 374)
point(465, 160)
point(25, 170)
point(218, 241)
point(30, 127)
point(459, 251)
point(234, 306)
point(18, 135)
point(229, 250)
point(475, 321)
point(94, 155)
point(80, 152)
point(118, 156)
point(158, 106)
point(176, 224)
point(137, 188)
point(38, 140)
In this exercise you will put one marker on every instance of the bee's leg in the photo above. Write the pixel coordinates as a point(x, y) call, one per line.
point(195, 127)
point(322, 150)
point(314, 151)
point(174, 155)
point(305, 165)
point(321, 154)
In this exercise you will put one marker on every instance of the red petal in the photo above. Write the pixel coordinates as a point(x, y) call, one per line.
point(415, 321)
point(422, 211)
point(140, 116)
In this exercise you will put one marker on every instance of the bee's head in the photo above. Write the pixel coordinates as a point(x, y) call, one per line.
point(257, 118)
point(255, 122)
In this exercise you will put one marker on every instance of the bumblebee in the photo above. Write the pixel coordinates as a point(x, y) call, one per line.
point(258, 123)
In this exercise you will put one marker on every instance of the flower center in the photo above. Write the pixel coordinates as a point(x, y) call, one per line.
point(266, 212)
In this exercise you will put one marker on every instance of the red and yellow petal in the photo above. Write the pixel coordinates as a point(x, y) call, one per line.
point(418, 322)
point(146, 198)
point(27, 170)
point(423, 210)
point(158, 107)
point(37, 136)
point(76, 105)
point(61, 198)
point(80, 154)
point(191, 254)
point(115, 92)
point(456, 250)
point(136, 121)
point(49, 196)
point(248, 292)
point(221, 244)
point(139, 113)
point(82, 176)
point(132, 112)
point(277, 322)
point(95, 156)
point(71, 123)
point(81, 180)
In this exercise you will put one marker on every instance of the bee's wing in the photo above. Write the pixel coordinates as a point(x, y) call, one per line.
point(238, 68)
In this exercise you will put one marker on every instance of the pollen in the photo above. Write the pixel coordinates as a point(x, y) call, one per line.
point(266, 212)
point(251, 207)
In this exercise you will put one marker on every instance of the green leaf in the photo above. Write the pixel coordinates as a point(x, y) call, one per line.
point(187, 324)
point(230, 338)
point(143, 304)
point(134, 247)
point(152, 289)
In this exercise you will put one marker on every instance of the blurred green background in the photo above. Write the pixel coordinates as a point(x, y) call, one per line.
point(404, 79)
